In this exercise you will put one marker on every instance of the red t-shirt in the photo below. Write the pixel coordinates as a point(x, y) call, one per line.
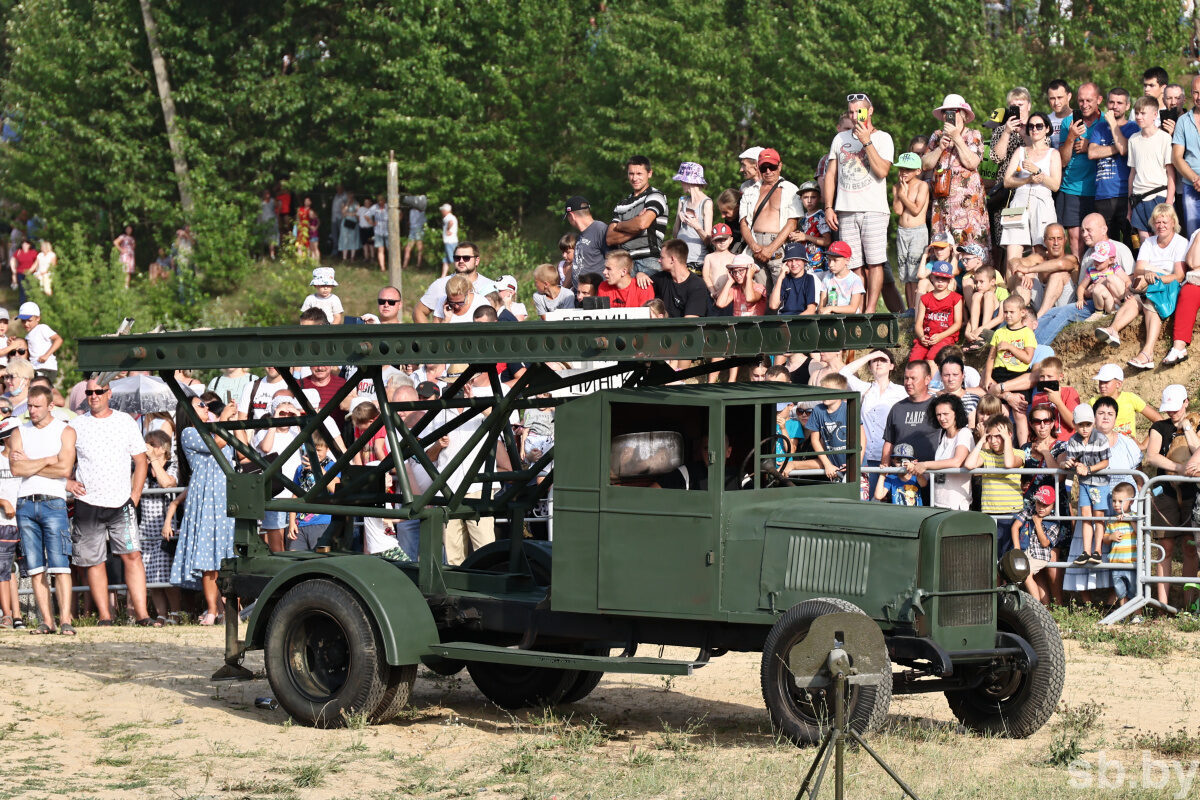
point(743, 309)
point(1070, 398)
point(25, 259)
point(283, 203)
point(939, 314)
point(326, 392)
point(630, 297)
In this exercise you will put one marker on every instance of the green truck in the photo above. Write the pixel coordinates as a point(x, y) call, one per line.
point(675, 522)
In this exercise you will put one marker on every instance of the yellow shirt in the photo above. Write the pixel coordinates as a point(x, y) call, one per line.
point(1022, 337)
point(1129, 405)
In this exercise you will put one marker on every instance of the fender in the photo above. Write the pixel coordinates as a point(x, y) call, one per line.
point(401, 614)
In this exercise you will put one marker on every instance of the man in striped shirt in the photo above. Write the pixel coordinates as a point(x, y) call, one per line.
point(640, 220)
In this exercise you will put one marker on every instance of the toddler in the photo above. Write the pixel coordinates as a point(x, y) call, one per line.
point(323, 296)
point(1087, 453)
point(1121, 534)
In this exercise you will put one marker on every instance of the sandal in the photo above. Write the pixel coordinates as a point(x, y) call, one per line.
point(18, 624)
point(162, 621)
point(149, 622)
point(66, 629)
point(207, 619)
point(42, 630)
point(1141, 361)
point(6, 622)
point(1105, 335)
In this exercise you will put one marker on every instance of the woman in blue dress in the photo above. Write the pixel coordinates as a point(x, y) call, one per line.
point(205, 534)
point(348, 233)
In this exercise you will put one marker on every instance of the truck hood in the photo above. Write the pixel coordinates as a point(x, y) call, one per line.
point(835, 515)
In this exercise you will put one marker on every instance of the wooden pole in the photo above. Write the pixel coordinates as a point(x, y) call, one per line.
point(174, 141)
point(393, 252)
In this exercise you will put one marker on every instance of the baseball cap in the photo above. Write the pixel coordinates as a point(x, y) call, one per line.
point(30, 309)
point(9, 425)
point(576, 203)
point(1173, 398)
point(840, 249)
point(795, 250)
point(1083, 413)
point(904, 450)
point(1103, 251)
point(427, 390)
point(941, 268)
point(1045, 495)
point(942, 240)
point(995, 119)
point(751, 153)
point(808, 186)
point(721, 229)
point(445, 207)
point(908, 161)
point(971, 249)
point(322, 276)
point(769, 156)
point(741, 261)
point(1110, 372)
point(507, 282)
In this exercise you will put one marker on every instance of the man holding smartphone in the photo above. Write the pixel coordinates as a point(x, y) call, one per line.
point(1077, 194)
point(857, 206)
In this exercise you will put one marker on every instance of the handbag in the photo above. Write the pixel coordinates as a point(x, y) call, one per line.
point(1012, 218)
point(941, 182)
point(1163, 297)
point(350, 223)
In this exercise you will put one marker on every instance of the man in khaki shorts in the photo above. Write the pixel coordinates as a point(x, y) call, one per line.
point(769, 211)
point(109, 449)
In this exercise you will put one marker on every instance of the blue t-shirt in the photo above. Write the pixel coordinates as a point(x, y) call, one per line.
point(797, 294)
point(1079, 176)
point(895, 485)
point(1112, 172)
point(1188, 135)
point(831, 426)
point(307, 480)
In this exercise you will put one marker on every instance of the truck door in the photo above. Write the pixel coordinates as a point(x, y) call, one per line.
point(658, 527)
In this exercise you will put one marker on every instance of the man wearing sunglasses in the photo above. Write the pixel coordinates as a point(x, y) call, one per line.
point(466, 264)
point(857, 207)
point(389, 305)
point(770, 210)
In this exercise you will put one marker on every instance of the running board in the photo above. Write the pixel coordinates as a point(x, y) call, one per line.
point(471, 651)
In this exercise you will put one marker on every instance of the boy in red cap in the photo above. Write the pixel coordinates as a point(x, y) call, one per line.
point(1037, 537)
point(844, 291)
point(939, 316)
point(718, 258)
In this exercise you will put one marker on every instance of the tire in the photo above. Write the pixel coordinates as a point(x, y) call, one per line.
point(324, 658)
point(494, 558)
point(1017, 704)
point(587, 681)
point(512, 687)
point(443, 666)
point(396, 694)
point(803, 719)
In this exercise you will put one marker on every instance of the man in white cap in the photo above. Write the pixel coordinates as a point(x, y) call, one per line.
point(510, 310)
point(857, 206)
point(748, 164)
point(42, 340)
point(1111, 378)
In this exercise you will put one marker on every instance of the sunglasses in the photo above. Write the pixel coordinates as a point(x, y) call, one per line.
point(804, 411)
point(459, 257)
point(1036, 126)
point(453, 304)
point(854, 98)
point(383, 302)
point(5, 410)
point(1042, 421)
point(94, 392)
point(767, 167)
point(19, 352)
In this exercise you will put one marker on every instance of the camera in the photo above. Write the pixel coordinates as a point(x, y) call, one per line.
point(951, 116)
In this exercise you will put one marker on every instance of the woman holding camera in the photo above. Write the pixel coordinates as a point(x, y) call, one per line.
point(954, 153)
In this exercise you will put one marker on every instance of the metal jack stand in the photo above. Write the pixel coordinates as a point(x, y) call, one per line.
point(840, 670)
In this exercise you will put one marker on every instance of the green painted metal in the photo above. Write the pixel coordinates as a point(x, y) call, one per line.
point(573, 340)
point(400, 610)
point(638, 665)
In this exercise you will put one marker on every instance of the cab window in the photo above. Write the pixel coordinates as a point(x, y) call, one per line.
point(659, 447)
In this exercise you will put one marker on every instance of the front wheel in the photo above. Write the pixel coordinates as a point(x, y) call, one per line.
point(323, 656)
point(801, 714)
point(1012, 702)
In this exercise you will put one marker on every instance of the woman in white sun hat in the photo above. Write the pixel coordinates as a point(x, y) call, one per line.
point(954, 153)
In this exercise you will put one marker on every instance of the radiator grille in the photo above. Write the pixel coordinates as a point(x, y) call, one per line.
point(827, 565)
point(967, 563)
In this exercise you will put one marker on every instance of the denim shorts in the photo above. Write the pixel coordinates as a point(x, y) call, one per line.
point(274, 520)
point(8, 550)
point(1124, 583)
point(45, 535)
point(1094, 497)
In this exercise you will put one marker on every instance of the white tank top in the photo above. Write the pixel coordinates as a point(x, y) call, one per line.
point(40, 443)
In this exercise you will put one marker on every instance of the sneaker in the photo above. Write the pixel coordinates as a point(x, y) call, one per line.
point(1175, 356)
point(1094, 559)
point(1105, 335)
point(18, 624)
point(1136, 619)
point(1081, 560)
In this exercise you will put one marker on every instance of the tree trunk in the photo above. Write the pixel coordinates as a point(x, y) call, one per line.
point(168, 108)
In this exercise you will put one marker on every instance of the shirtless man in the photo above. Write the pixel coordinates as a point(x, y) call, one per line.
point(1051, 275)
point(769, 212)
point(856, 196)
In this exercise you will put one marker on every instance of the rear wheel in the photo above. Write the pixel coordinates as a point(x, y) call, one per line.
point(587, 680)
point(510, 686)
point(801, 714)
point(396, 694)
point(1013, 702)
point(323, 656)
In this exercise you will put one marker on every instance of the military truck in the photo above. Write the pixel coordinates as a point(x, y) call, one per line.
point(675, 522)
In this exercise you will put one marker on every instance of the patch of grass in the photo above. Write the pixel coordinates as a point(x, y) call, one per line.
point(357, 721)
point(1082, 623)
point(1187, 623)
point(523, 762)
point(309, 776)
point(6, 730)
point(114, 761)
point(113, 730)
point(679, 740)
point(1071, 729)
point(1176, 744)
point(256, 787)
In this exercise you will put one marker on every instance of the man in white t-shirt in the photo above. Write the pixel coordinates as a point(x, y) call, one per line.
point(466, 263)
point(42, 340)
point(449, 236)
point(856, 198)
point(109, 449)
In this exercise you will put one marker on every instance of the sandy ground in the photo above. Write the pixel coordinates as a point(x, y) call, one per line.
point(131, 713)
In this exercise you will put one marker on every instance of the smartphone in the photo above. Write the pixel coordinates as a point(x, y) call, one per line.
point(951, 116)
point(1011, 113)
point(216, 407)
point(1048, 386)
point(1165, 114)
point(862, 115)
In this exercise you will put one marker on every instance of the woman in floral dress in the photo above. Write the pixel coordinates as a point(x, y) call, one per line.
point(125, 248)
point(957, 150)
